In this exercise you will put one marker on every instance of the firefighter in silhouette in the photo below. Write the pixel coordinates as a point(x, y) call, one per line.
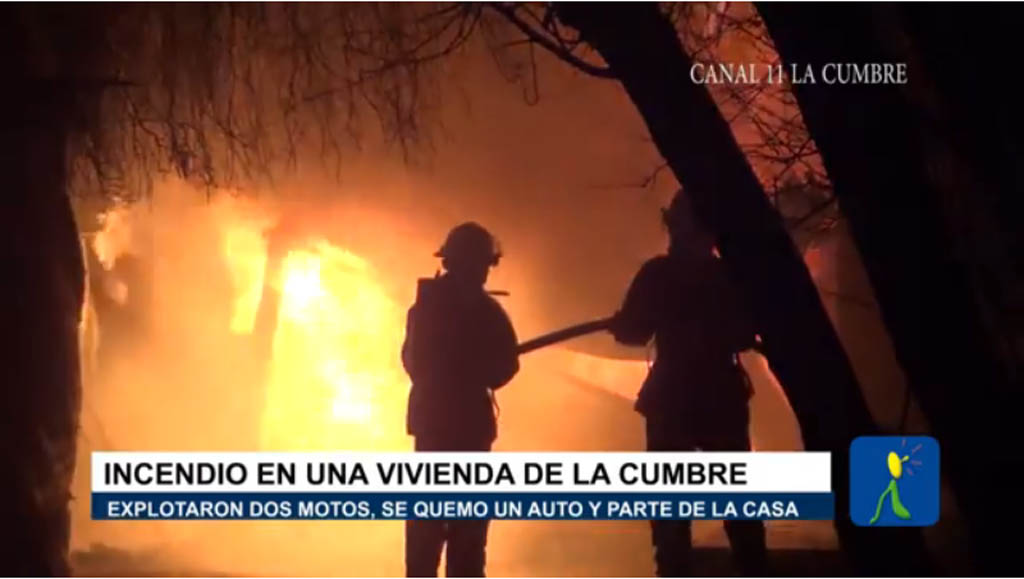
point(459, 348)
point(696, 394)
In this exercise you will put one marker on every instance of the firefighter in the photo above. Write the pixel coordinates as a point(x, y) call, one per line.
point(459, 348)
point(696, 394)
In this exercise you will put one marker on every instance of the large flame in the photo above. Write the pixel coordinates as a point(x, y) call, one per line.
point(334, 380)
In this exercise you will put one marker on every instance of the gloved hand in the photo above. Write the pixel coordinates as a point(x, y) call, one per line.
point(615, 325)
point(630, 331)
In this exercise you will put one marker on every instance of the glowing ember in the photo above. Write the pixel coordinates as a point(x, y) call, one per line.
point(115, 238)
point(111, 242)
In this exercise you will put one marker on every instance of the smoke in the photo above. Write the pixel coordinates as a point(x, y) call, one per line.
point(184, 369)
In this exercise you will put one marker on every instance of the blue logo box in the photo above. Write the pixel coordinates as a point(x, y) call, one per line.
point(894, 481)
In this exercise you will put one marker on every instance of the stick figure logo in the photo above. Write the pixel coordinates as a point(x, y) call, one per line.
point(906, 469)
point(892, 491)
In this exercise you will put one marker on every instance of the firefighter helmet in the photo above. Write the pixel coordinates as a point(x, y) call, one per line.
point(470, 242)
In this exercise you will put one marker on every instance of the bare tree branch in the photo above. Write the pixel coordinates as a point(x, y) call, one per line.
point(552, 43)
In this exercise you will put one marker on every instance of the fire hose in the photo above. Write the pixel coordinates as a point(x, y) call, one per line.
point(564, 334)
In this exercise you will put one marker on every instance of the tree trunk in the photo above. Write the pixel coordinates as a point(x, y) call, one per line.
point(642, 48)
point(928, 175)
point(41, 301)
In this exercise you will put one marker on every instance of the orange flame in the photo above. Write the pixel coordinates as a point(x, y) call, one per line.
point(334, 380)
